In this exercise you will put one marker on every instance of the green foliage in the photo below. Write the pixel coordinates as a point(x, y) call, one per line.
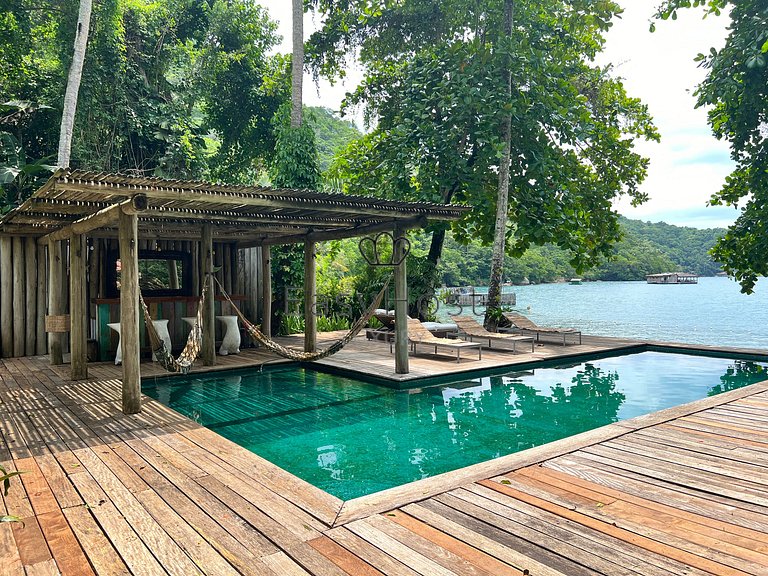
point(18, 177)
point(332, 323)
point(294, 324)
point(6, 476)
point(295, 163)
point(434, 86)
point(176, 88)
point(291, 324)
point(332, 134)
point(735, 91)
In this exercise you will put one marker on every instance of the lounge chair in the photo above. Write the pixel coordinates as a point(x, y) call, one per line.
point(418, 334)
point(527, 326)
point(472, 329)
point(386, 331)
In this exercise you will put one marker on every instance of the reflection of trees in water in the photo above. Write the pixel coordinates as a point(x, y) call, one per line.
point(589, 402)
point(520, 415)
point(739, 374)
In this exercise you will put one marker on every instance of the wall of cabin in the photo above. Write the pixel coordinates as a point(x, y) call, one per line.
point(24, 292)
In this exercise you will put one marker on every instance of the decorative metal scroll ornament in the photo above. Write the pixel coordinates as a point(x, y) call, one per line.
point(372, 255)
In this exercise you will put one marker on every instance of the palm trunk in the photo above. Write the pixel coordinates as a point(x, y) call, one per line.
point(297, 63)
point(73, 83)
point(502, 201)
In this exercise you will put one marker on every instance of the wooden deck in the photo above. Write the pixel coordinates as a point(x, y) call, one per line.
point(682, 491)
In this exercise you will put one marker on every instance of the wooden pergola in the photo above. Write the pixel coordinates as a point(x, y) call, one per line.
point(74, 204)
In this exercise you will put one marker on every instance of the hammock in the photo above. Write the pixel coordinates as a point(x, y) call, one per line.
point(292, 353)
point(186, 359)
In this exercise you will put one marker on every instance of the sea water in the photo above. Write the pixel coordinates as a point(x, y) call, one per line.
point(712, 312)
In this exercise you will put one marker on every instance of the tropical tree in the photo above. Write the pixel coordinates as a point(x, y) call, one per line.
point(736, 89)
point(436, 87)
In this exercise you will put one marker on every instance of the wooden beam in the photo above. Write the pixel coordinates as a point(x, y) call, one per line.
point(55, 308)
point(252, 218)
point(78, 311)
point(310, 297)
point(132, 206)
point(267, 199)
point(401, 306)
point(208, 351)
point(129, 312)
point(362, 230)
point(266, 290)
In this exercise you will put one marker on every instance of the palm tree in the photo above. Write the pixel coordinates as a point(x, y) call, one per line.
point(73, 83)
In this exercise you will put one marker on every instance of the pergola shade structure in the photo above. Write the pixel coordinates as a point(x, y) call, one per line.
point(130, 211)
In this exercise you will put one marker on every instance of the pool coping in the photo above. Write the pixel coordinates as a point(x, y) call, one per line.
point(346, 511)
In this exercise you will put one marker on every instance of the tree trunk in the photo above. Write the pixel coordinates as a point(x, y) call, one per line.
point(502, 202)
point(73, 83)
point(297, 63)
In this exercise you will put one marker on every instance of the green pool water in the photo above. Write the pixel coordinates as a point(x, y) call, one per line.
point(353, 438)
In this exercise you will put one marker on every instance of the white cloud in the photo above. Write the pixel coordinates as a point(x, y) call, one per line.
point(689, 164)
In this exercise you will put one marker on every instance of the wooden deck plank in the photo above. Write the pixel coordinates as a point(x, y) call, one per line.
point(94, 542)
point(474, 556)
point(69, 556)
point(554, 477)
point(369, 553)
point(131, 548)
point(434, 516)
point(568, 534)
point(662, 548)
point(739, 551)
point(686, 498)
point(343, 558)
point(10, 561)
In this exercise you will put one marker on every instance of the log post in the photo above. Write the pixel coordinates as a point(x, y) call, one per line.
point(266, 291)
point(41, 343)
point(6, 296)
point(55, 300)
point(78, 312)
point(208, 351)
point(310, 297)
point(19, 298)
point(401, 305)
point(30, 255)
point(129, 312)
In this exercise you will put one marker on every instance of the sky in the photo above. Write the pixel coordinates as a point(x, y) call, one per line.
point(689, 164)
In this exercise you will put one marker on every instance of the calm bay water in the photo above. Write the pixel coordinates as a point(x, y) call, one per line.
point(711, 312)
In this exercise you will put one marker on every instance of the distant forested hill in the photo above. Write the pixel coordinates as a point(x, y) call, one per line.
point(686, 247)
point(647, 248)
point(332, 133)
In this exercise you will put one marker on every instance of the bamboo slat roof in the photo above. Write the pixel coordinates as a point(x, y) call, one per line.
point(247, 214)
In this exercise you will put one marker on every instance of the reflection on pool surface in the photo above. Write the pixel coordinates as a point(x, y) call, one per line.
point(353, 438)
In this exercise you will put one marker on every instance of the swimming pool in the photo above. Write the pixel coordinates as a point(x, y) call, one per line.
point(353, 438)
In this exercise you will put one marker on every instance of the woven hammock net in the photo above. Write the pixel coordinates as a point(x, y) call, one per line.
point(186, 359)
point(299, 355)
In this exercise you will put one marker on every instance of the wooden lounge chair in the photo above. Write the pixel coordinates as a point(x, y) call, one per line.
point(527, 326)
point(418, 334)
point(472, 329)
point(387, 330)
